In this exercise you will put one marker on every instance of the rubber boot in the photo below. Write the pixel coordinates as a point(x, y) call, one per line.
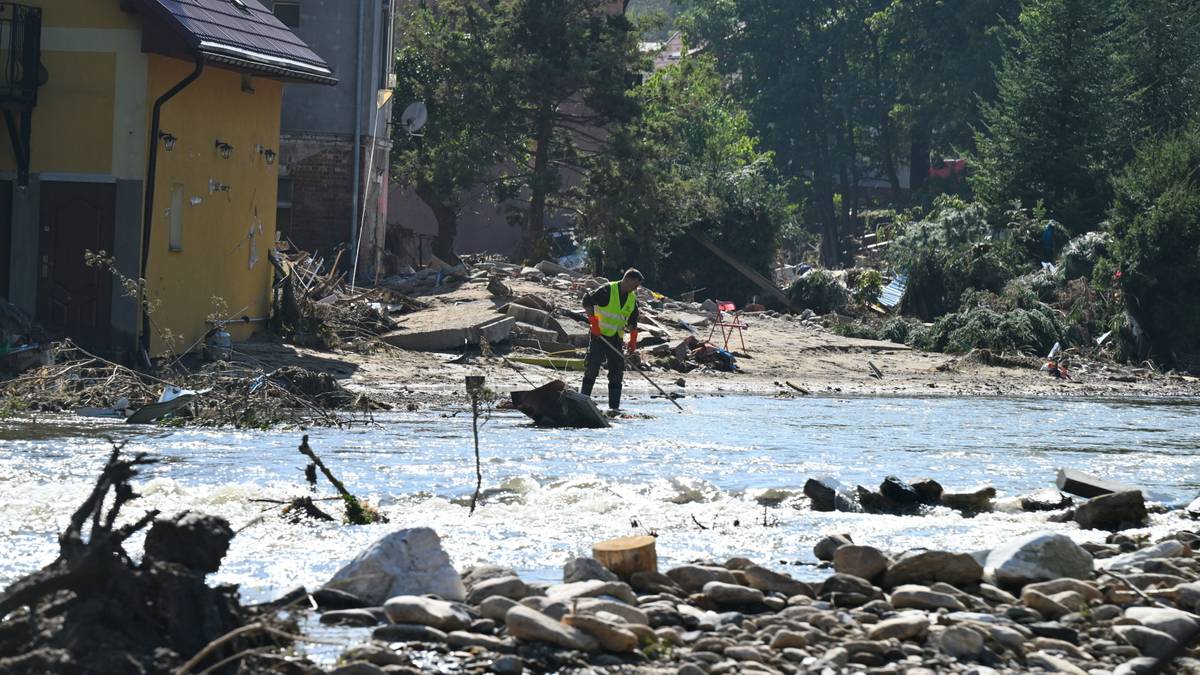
point(586, 387)
point(614, 396)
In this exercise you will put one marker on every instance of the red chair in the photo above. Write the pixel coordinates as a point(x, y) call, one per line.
point(728, 325)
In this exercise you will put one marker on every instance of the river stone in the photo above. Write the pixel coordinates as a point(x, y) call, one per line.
point(927, 567)
point(586, 569)
point(1046, 500)
point(329, 598)
point(495, 607)
point(479, 573)
point(531, 625)
point(590, 589)
point(410, 561)
point(629, 613)
point(349, 617)
point(828, 494)
point(898, 491)
point(744, 653)
point(439, 614)
point(1054, 629)
point(961, 642)
point(770, 581)
point(1139, 558)
point(1187, 596)
point(928, 489)
point(785, 639)
point(655, 583)
point(1177, 624)
point(408, 632)
point(692, 578)
point(865, 562)
point(508, 665)
point(845, 583)
point(969, 503)
point(828, 545)
point(611, 636)
point(904, 627)
point(1044, 604)
point(1147, 641)
point(732, 594)
point(505, 587)
point(1115, 511)
point(1143, 665)
point(461, 639)
point(358, 668)
point(1054, 664)
point(551, 608)
point(1038, 557)
point(1083, 588)
point(374, 652)
point(921, 597)
point(996, 595)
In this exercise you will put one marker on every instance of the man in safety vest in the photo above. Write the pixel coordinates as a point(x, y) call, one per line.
point(610, 309)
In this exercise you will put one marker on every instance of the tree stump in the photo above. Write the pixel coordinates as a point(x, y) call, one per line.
point(626, 555)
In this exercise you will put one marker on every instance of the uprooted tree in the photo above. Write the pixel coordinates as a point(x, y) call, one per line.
point(93, 610)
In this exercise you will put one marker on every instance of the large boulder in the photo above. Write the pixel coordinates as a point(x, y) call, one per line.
point(1038, 557)
point(693, 577)
point(1179, 625)
point(866, 562)
point(586, 569)
point(899, 491)
point(928, 567)
point(970, 503)
point(770, 581)
point(410, 561)
point(1115, 511)
point(829, 544)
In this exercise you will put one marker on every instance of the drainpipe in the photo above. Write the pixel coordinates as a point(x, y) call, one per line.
point(148, 209)
point(358, 96)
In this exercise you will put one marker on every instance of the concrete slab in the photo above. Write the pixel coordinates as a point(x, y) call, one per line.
point(529, 330)
point(449, 328)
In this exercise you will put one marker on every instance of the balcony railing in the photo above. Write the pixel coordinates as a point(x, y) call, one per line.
point(20, 48)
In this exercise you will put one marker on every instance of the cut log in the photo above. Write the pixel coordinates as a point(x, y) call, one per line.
point(1085, 485)
point(626, 555)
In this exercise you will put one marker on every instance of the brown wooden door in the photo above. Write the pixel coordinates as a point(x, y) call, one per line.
point(73, 299)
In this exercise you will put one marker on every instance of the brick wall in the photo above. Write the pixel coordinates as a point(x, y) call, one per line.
point(321, 170)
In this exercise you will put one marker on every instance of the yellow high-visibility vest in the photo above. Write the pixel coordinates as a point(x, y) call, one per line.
point(614, 315)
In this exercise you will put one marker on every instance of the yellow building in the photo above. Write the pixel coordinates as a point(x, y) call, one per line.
point(107, 93)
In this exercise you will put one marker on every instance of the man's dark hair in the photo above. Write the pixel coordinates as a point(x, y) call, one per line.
point(632, 273)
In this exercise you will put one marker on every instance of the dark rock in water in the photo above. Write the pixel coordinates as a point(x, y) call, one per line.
point(553, 405)
point(829, 545)
point(828, 494)
point(930, 567)
point(196, 541)
point(332, 598)
point(1046, 500)
point(1086, 485)
point(929, 490)
point(898, 491)
point(350, 617)
point(970, 503)
point(871, 501)
point(1116, 511)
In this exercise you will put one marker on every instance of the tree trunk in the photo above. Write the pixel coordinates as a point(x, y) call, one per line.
point(918, 159)
point(627, 555)
point(534, 243)
point(447, 222)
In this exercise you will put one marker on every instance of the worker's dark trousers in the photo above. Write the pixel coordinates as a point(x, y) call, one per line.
point(597, 354)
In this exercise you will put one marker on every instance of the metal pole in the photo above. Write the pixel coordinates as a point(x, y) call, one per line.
point(639, 371)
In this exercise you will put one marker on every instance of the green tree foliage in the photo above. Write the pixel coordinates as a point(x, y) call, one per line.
point(664, 10)
point(1155, 224)
point(1047, 137)
point(1158, 51)
point(567, 66)
point(444, 50)
point(687, 163)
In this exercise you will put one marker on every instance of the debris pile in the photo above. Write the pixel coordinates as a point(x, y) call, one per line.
point(216, 394)
point(315, 307)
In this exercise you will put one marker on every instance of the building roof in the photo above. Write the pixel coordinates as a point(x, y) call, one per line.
point(242, 34)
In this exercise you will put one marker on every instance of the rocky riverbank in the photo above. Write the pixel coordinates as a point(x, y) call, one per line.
point(1041, 603)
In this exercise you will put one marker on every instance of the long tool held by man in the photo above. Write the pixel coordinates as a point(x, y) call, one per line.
point(611, 309)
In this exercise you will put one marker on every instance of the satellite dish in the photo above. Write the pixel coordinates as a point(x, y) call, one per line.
point(414, 117)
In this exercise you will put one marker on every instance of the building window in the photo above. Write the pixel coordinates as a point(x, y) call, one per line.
point(288, 13)
point(176, 242)
point(283, 210)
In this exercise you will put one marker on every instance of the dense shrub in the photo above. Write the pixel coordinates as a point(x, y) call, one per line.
point(857, 329)
point(819, 291)
point(1030, 331)
point(1156, 244)
point(899, 330)
point(1081, 255)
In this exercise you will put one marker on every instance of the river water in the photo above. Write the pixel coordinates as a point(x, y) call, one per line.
point(549, 494)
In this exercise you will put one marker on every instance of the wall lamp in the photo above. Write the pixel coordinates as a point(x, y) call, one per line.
point(224, 148)
point(268, 154)
point(168, 140)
